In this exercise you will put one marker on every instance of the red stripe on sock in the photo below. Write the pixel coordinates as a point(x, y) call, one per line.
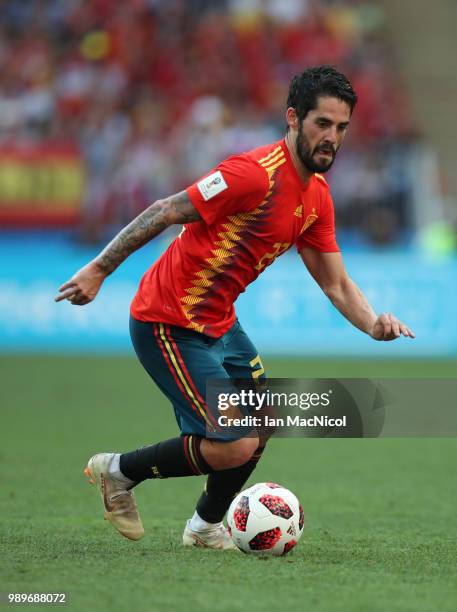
point(189, 460)
point(200, 460)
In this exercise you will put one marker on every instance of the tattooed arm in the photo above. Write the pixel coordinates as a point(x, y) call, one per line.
point(85, 284)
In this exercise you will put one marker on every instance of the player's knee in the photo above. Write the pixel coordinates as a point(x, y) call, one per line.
point(237, 453)
point(225, 455)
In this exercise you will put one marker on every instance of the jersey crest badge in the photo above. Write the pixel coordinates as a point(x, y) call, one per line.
point(309, 221)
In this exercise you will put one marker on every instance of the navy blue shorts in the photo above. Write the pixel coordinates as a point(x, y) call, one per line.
point(180, 361)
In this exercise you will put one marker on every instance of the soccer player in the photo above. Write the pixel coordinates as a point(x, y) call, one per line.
point(237, 219)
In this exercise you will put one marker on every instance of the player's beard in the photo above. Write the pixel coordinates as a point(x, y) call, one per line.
point(306, 154)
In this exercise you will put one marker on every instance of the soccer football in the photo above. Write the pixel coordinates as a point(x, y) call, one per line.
point(266, 519)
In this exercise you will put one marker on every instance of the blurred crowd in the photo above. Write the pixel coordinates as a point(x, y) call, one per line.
point(156, 92)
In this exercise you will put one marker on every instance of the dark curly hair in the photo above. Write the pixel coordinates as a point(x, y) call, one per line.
point(325, 80)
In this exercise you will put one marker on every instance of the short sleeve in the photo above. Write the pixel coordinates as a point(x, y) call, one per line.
point(320, 235)
point(238, 184)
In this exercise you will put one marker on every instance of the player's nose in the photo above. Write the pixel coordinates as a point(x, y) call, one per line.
point(332, 135)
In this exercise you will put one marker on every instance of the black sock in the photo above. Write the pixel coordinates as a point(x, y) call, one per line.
point(176, 457)
point(221, 488)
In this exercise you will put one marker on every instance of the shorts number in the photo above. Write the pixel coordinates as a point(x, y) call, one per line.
point(260, 370)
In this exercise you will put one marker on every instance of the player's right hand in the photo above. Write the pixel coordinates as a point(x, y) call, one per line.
point(82, 286)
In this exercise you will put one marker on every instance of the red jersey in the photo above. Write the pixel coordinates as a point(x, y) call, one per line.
point(254, 207)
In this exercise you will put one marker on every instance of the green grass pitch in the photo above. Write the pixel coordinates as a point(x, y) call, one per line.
point(380, 529)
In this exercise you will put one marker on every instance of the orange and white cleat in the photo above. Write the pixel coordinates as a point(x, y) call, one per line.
point(118, 502)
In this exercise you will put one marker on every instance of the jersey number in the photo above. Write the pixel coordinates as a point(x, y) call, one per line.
point(280, 247)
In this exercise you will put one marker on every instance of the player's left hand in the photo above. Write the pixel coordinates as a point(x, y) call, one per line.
point(388, 327)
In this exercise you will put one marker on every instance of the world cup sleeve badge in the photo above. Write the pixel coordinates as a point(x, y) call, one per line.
point(212, 185)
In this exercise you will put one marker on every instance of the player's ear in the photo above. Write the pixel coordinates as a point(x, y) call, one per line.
point(291, 118)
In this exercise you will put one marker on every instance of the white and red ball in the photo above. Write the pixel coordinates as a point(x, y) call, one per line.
point(266, 519)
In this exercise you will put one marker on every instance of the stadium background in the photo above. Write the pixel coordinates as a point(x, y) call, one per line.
point(105, 109)
point(106, 106)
